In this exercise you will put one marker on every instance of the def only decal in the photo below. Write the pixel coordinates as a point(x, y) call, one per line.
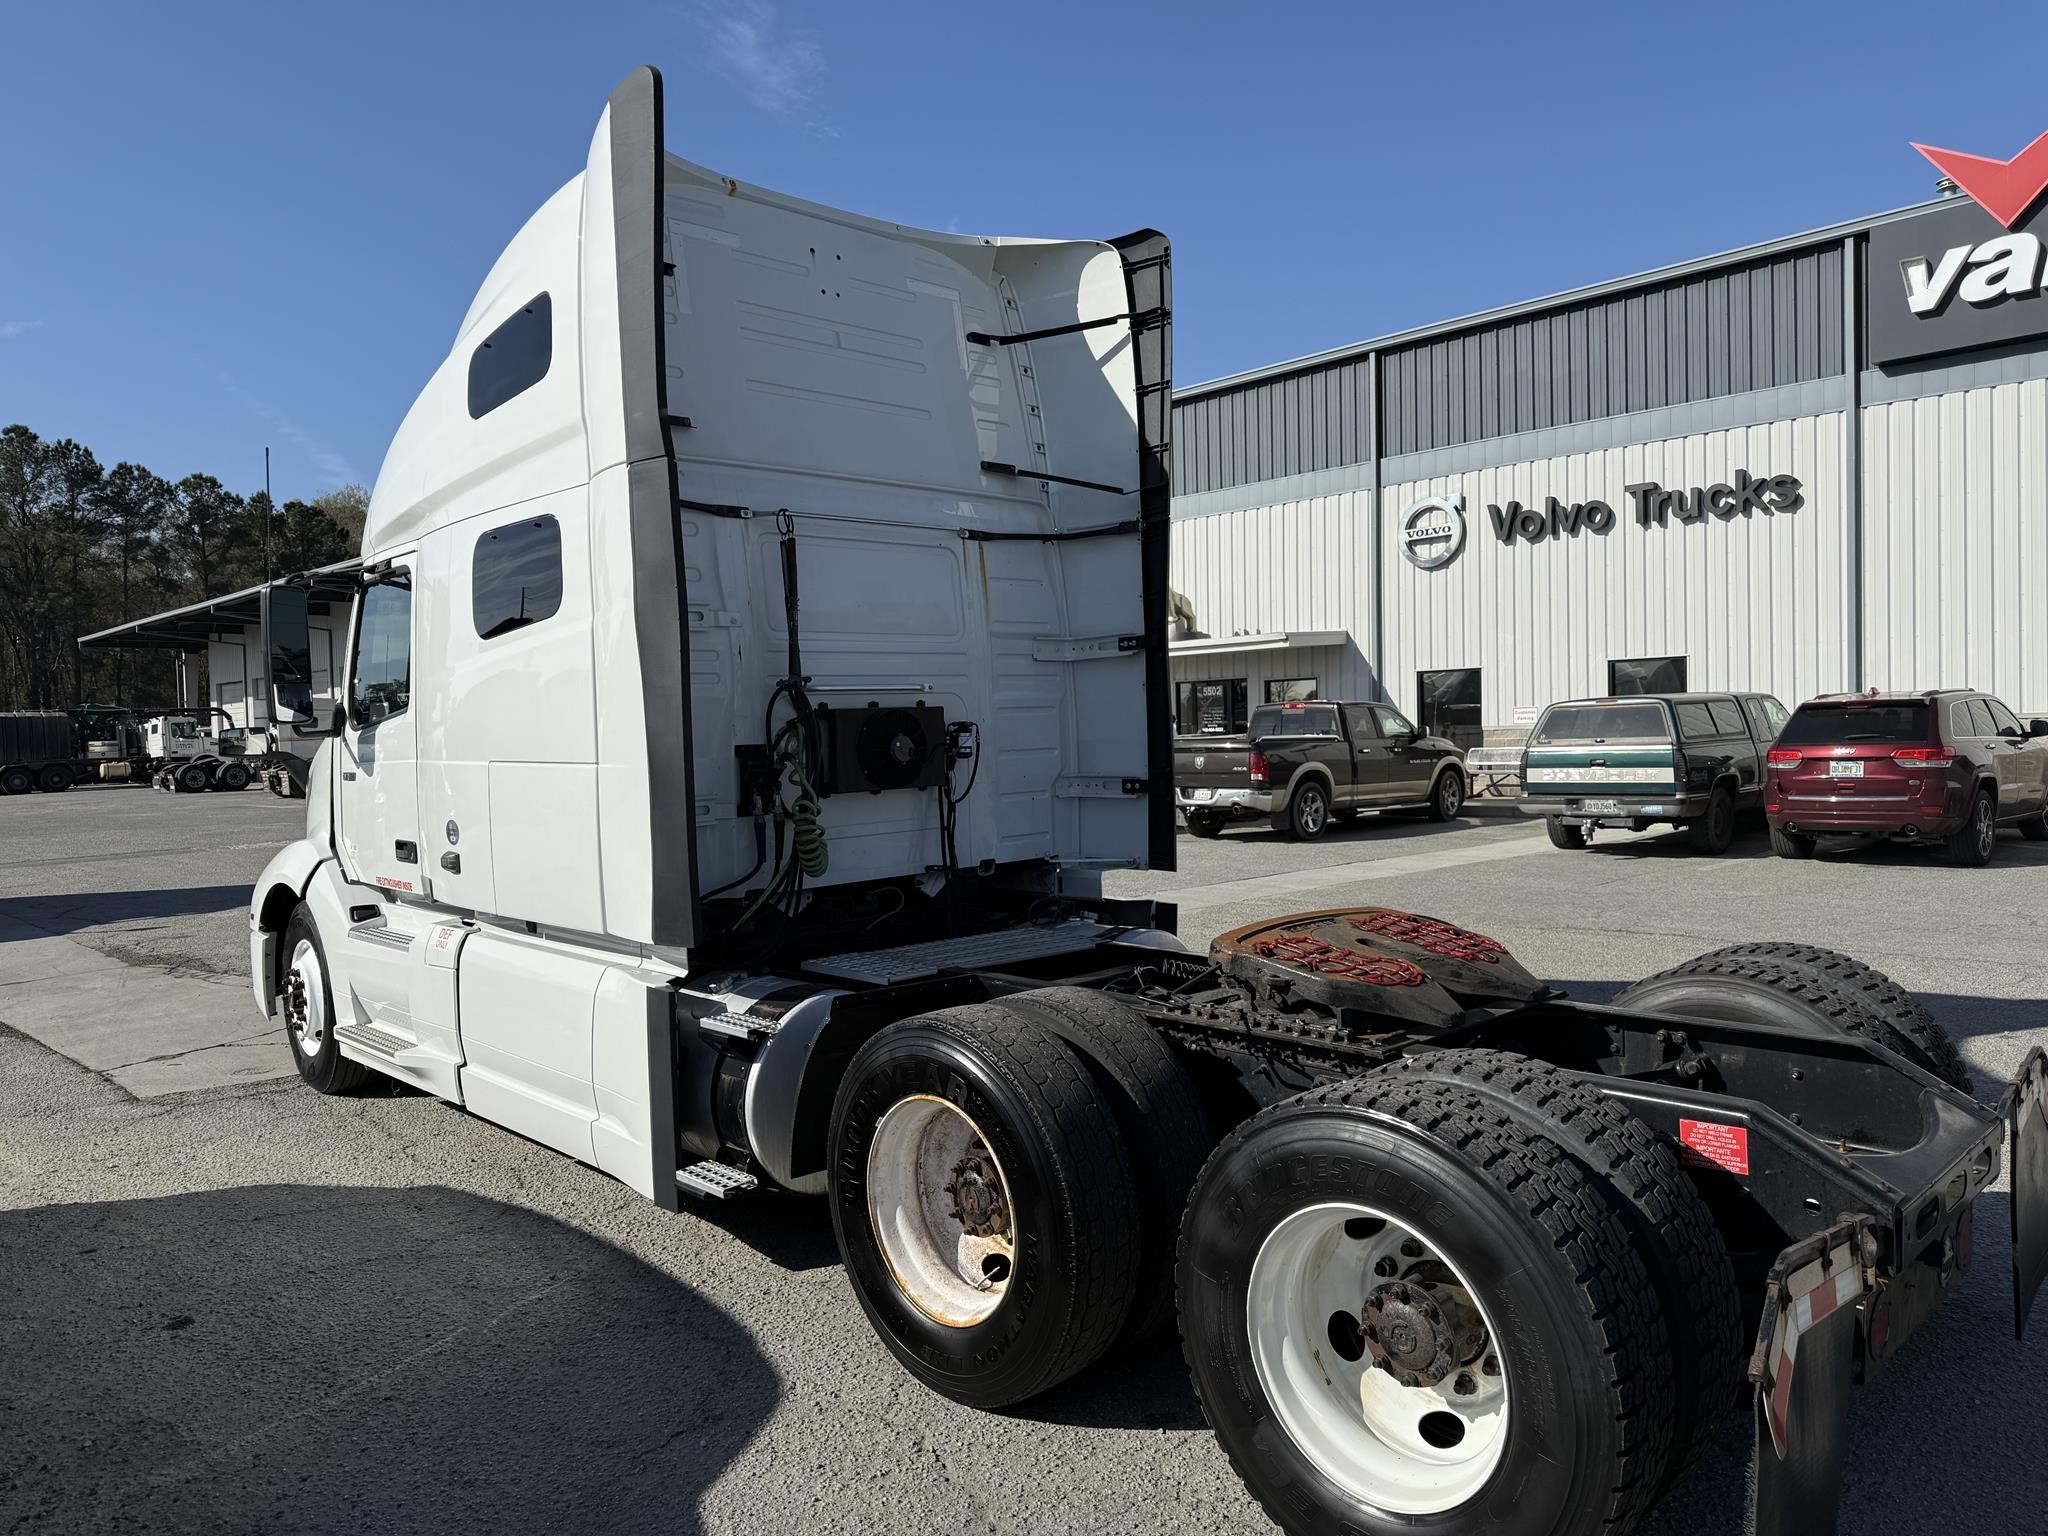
point(1433, 529)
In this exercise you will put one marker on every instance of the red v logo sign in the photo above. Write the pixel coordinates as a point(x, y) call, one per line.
point(2005, 189)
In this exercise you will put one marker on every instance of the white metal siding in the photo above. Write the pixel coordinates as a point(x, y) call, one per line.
point(1955, 564)
point(1753, 602)
point(1297, 565)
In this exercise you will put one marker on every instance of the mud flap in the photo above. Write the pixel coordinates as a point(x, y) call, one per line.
point(2026, 1116)
point(1803, 1369)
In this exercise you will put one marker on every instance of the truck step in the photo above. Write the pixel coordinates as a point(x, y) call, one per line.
point(368, 1037)
point(717, 1181)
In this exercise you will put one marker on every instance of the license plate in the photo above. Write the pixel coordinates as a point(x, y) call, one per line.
point(1200, 794)
point(1848, 770)
point(1600, 807)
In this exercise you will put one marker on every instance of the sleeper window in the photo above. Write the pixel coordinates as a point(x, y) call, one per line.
point(515, 576)
point(513, 358)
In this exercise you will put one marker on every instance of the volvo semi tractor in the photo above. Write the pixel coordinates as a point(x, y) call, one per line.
point(757, 658)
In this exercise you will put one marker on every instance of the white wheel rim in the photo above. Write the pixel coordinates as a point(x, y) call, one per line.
point(305, 1000)
point(1412, 1450)
point(941, 1210)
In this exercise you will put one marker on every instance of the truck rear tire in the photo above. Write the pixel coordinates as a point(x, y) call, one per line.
point(1205, 824)
point(16, 781)
point(1971, 844)
point(232, 776)
point(192, 778)
point(1159, 1116)
point(1308, 811)
point(306, 1000)
point(1790, 845)
point(1878, 994)
point(1447, 796)
point(1426, 1213)
point(983, 1202)
point(1753, 988)
point(1568, 834)
point(54, 779)
point(1669, 1225)
point(1714, 832)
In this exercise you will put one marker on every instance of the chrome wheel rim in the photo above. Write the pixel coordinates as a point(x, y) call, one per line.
point(1987, 832)
point(1343, 1305)
point(1453, 794)
point(940, 1206)
point(1312, 810)
point(305, 1000)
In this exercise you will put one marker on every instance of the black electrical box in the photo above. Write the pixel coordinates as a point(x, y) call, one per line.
point(877, 747)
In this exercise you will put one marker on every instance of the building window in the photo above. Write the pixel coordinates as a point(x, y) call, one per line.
point(1290, 690)
point(1646, 674)
point(513, 358)
point(1212, 707)
point(1449, 705)
point(515, 577)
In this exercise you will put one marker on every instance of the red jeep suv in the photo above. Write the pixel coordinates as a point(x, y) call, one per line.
point(1949, 767)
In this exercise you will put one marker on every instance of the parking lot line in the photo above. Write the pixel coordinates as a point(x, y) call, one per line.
point(1296, 881)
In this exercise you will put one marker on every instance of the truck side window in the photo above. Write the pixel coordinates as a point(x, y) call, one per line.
point(1727, 718)
point(515, 576)
point(1359, 718)
point(513, 358)
point(380, 680)
point(1695, 722)
point(1392, 722)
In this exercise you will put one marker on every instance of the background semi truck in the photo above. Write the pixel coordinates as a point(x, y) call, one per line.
point(180, 749)
point(758, 655)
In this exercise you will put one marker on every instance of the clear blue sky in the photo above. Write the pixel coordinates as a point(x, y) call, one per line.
point(225, 225)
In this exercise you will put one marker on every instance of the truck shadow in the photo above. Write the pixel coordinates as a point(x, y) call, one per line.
point(320, 1359)
point(1370, 826)
point(59, 915)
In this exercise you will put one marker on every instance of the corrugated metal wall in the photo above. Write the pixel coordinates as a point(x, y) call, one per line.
point(1769, 323)
point(1754, 602)
point(1955, 566)
point(1288, 426)
point(1296, 565)
point(1718, 333)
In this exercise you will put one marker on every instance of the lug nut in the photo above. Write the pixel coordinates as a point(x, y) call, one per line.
point(1385, 1267)
point(1464, 1386)
point(1490, 1366)
point(1411, 1248)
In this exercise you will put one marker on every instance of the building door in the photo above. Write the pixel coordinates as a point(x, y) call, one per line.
point(1449, 705)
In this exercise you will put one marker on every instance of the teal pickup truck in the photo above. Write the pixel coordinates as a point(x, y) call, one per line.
point(1691, 760)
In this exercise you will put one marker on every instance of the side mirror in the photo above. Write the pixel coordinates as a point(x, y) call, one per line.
point(2037, 728)
point(288, 641)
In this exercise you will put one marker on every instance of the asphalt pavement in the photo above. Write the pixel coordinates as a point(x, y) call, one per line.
point(247, 1308)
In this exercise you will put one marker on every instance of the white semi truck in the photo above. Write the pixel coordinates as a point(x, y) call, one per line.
point(760, 654)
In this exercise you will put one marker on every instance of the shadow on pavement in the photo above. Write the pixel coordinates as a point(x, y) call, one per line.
point(350, 1360)
point(1399, 826)
point(96, 909)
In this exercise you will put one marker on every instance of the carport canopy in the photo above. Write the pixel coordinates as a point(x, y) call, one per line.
point(222, 618)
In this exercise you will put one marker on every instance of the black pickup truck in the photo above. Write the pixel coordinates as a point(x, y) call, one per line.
point(1301, 764)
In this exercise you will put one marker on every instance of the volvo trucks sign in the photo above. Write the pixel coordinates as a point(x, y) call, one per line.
point(1433, 530)
point(1969, 274)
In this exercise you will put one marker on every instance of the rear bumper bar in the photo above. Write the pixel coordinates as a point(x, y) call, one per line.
point(1626, 808)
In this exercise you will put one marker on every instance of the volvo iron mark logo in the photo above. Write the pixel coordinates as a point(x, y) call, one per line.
point(1433, 532)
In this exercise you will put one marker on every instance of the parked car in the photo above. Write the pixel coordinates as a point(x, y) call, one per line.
point(1948, 767)
point(1302, 764)
point(1691, 760)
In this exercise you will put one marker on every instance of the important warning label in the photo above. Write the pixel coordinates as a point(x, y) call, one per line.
point(1709, 1144)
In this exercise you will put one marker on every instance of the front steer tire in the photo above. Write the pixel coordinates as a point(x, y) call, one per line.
point(1587, 1358)
point(1447, 796)
point(1669, 1224)
point(306, 1000)
point(1070, 1200)
point(1308, 811)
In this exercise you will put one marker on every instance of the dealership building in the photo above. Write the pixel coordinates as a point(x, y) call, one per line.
point(1810, 466)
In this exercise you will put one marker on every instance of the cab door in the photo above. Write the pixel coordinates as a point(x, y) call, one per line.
point(378, 801)
point(2022, 760)
point(1410, 767)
